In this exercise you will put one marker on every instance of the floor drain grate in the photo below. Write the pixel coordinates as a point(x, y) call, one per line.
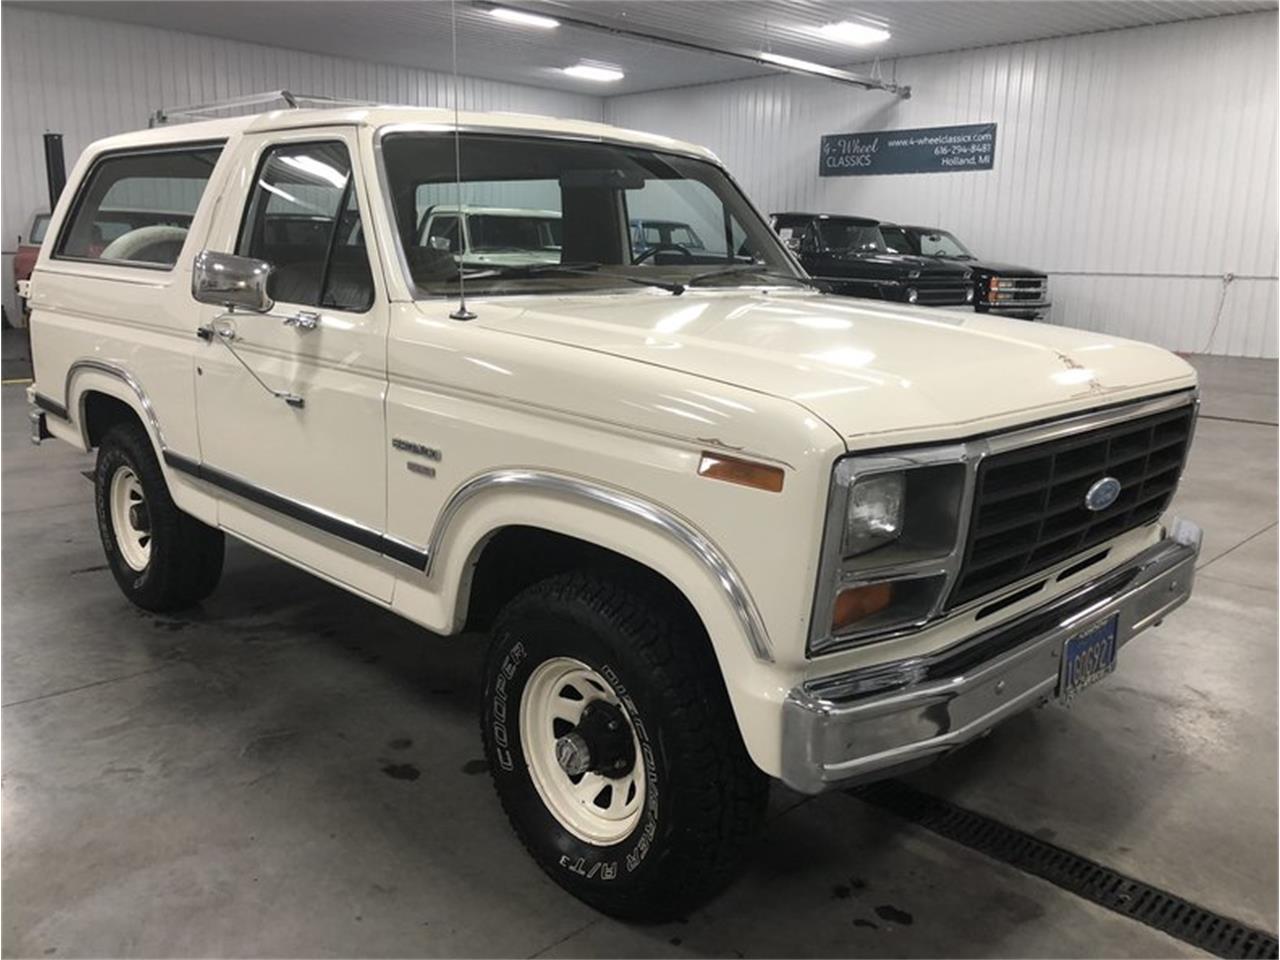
point(1086, 878)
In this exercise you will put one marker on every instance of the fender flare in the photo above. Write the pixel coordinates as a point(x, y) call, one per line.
point(135, 396)
point(619, 504)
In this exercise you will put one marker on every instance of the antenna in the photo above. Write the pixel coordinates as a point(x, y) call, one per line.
point(462, 313)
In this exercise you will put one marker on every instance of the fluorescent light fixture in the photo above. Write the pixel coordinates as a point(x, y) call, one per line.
point(803, 66)
point(524, 19)
point(587, 71)
point(855, 34)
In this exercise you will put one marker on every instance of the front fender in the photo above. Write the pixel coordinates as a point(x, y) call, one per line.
point(628, 525)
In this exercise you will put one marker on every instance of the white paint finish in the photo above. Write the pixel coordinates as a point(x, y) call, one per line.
point(1142, 151)
point(856, 364)
point(614, 394)
point(330, 454)
point(88, 79)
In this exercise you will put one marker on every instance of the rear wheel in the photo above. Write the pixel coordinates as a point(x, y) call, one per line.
point(162, 558)
point(614, 749)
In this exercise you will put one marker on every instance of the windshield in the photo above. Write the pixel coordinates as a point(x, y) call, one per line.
point(852, 236)
point(939, 243)
point(589, 216)
point(38, 227)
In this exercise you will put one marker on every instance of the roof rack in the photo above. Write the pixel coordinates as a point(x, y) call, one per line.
point(207, 111)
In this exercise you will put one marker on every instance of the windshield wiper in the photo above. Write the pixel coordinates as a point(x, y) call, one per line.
point(753, 269)
point(584, 269)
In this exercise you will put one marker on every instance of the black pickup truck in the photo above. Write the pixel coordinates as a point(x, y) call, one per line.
point(851, 255)
point(999, 288)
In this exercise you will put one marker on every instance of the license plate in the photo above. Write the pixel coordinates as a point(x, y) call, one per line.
point(1087, 657)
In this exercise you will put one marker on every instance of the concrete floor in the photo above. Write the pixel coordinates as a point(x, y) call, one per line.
point(221, 783)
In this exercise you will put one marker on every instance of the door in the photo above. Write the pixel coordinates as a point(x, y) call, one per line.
point(291, 403)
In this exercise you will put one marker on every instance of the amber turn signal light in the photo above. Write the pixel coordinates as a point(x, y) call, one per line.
point(858, 603)
point(744, 472)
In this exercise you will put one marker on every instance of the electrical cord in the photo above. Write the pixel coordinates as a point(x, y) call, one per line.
point(1227, 280)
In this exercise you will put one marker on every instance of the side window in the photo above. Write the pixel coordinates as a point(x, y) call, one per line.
point(304, 220)
point(135, 208)
point(896, 240)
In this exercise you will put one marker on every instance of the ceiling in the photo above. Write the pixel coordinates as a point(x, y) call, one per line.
point(417, 33)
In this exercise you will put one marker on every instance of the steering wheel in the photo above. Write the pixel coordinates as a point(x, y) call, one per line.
point(658, 248)
point(129, 245)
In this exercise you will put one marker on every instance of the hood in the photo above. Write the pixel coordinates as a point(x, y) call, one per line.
point(865, 367)
point(897, 264)
point(998, 269)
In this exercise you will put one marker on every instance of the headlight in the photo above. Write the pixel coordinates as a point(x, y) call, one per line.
point(912, 295)
point(968, 295)
point(892, 528)
point(875, 513)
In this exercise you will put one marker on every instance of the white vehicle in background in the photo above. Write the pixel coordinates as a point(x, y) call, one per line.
point(719, 526)
point(493, 236)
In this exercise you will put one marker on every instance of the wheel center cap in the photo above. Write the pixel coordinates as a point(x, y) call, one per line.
point(573, 754)
point(139, 519)
point(600, 743)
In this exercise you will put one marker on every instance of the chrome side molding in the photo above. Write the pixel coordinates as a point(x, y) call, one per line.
point(616, 501)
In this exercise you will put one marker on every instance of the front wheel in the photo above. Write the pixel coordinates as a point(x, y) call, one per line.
point(614, 749)
point(163, 559)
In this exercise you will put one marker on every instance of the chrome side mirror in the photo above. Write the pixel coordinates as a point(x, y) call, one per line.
point(226, 280)
point(440, 243)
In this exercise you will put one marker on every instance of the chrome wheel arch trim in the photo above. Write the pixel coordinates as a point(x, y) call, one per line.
point(120, 373)
point(625, 505)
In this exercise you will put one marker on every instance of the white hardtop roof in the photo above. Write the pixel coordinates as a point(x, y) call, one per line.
point(433, 118)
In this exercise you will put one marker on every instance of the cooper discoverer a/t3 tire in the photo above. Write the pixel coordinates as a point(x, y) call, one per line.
point(613, 746)
point(163, 559)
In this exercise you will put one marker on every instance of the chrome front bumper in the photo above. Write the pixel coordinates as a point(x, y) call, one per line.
point(876, 721)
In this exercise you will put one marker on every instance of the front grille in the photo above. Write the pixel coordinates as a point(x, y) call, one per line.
point(940, 293)
point(1019, 290)
point(1028, 509)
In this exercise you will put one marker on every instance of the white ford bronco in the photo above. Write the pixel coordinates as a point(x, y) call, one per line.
point(717, 526)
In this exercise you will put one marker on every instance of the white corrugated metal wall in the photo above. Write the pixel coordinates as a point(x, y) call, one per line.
point(88, 78)
point(1138, 166)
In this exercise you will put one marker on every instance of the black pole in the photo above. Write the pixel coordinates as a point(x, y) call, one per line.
point(55, 167)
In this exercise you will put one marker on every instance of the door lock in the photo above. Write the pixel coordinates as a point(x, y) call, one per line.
point(304, 320)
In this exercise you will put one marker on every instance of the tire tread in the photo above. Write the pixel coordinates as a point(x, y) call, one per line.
point(723, 810)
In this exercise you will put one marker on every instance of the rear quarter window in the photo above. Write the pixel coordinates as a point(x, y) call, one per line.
point(135, 208)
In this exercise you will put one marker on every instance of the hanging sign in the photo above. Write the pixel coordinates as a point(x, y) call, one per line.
point(923, 150)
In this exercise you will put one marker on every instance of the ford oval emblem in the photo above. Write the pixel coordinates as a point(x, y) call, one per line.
point(1102, 494)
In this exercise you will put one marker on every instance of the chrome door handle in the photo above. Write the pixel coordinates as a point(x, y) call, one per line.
point(304, 320)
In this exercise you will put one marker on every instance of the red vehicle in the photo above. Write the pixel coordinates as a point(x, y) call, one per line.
point(24, 258)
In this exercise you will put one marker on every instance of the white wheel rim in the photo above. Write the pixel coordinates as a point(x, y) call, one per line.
point(580, 804)
point(130, 519)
